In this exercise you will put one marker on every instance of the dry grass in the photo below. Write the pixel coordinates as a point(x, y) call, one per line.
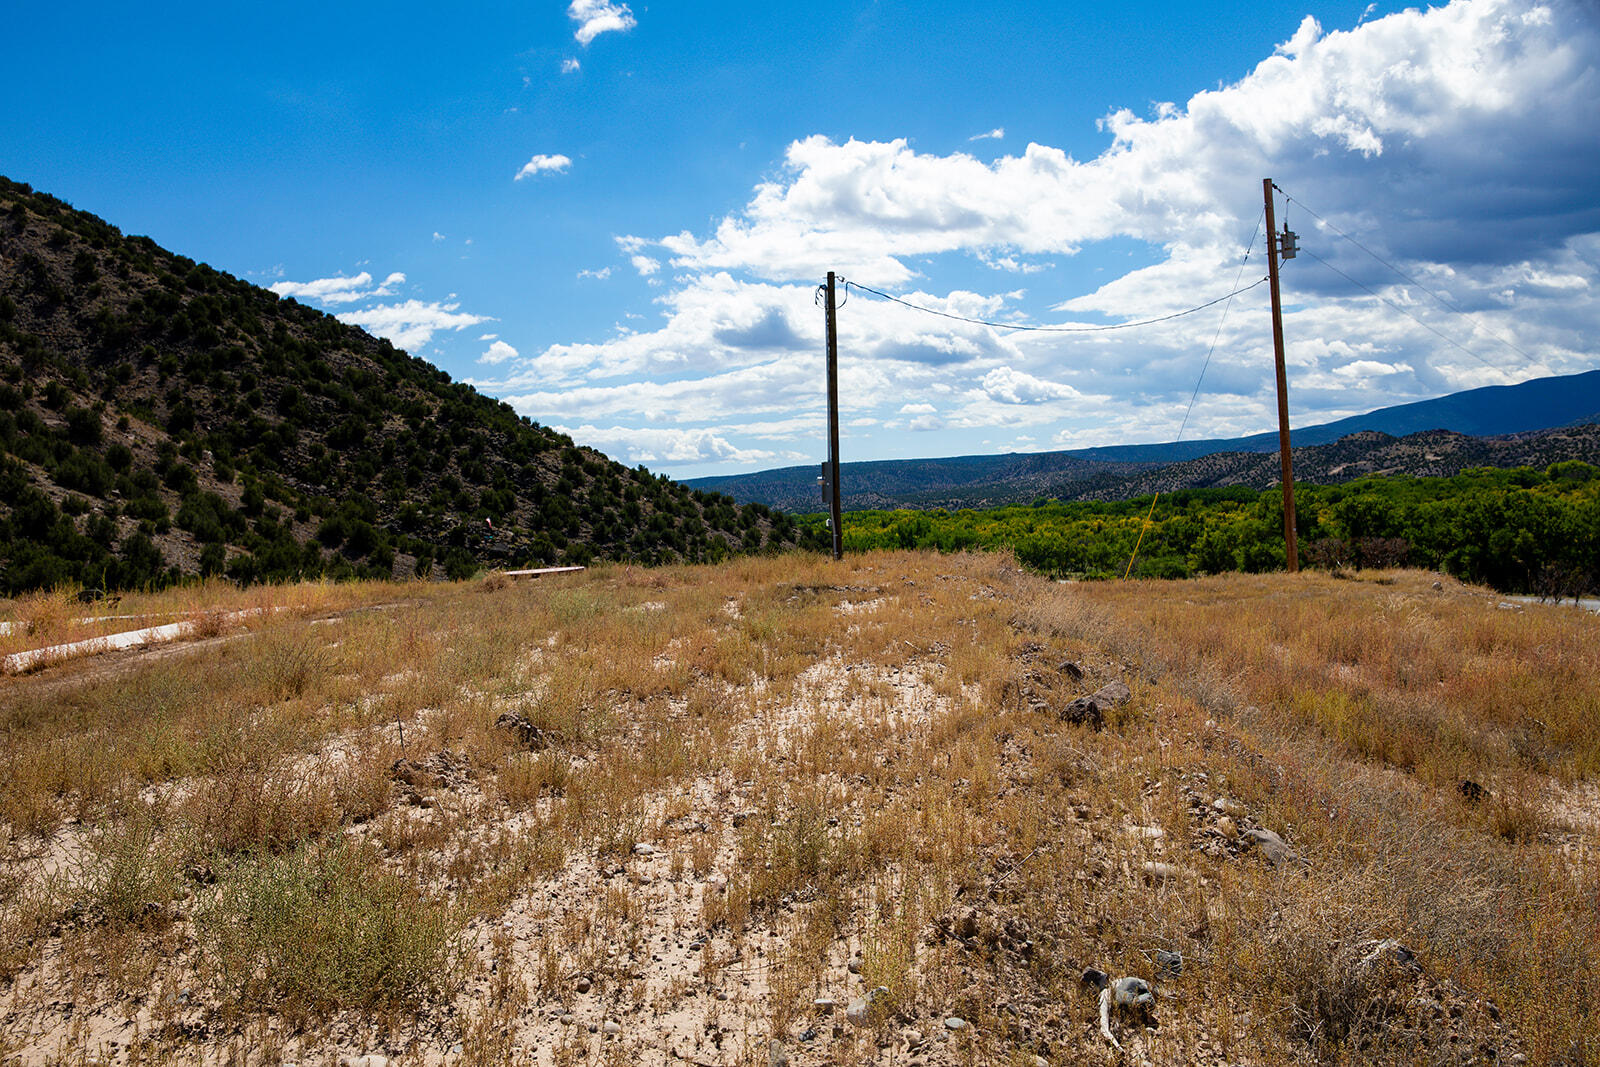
point(312, 838)
point(213, 607)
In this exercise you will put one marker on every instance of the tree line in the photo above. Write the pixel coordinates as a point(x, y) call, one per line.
point(1519, 530)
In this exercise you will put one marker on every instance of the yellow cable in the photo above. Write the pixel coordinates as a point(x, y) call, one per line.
point(1140, 541)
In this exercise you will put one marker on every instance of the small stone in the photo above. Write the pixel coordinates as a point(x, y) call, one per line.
point(913, 1038)
point(718, 881)
point(1091, 710)
point(860, 1009)
point(855, 965)
point(955, 1022)
point(824, 1005)
point(1168, 964)
point(1391, 949)
point(566, 1018)
point(584, 985)
point(613, 1027)
point(642, 849)
point(1228, 828)
point(1161, 872)
point(1228, 806)
point(1427, 1005)
point(367, 1060)
point(776, 1054)
point(527, 734)
point(1272, 846)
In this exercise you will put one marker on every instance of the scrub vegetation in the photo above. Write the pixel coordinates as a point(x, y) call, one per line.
point(674, 814)
point(1518, 530)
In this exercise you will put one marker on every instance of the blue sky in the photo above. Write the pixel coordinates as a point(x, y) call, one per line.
point(614, 215)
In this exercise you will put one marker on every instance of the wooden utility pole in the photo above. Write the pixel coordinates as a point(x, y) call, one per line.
point(1290, 542)
point(834, 510)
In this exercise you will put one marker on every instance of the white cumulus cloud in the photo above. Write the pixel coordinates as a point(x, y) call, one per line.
point(498, 352)
point(539, 164)
point(1014, 387)
point(411, 325)
point(1455, 99)
point(335, 290)
point(655, 445)
point(595, 17)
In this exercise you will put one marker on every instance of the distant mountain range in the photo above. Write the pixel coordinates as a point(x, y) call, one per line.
point(1500, 425)
point(161, 419)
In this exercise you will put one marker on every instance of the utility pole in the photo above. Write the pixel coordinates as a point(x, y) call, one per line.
point(1275, 248)
point(834, 511)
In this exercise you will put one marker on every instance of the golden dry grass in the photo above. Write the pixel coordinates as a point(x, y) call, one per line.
point(829, 763)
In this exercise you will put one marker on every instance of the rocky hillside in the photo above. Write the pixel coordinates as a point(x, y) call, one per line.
point(159, 418)
point(1430, 454)
point(1512, 415)
point(995, 481)
point(956, 482)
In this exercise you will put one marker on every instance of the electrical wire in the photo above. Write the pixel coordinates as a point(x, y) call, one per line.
point(1443, 336)
point(1442, 302)
point(840, 283)
point(1223, 321)
point(1143, 529)
point(1054, 329)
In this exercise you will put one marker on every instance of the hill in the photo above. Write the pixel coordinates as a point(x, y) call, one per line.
point(1429, 454)
point(1514, 412)
point(159, 418)
point(1490, 411)
point(960, 481)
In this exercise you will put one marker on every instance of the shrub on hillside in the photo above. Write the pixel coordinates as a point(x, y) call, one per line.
point(324, 928)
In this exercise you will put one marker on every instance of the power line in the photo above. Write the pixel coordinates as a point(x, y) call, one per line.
point(1054, 329)
point(1442, 302)
point(1220, 323)
point(1403, 311)
point(1194, 396)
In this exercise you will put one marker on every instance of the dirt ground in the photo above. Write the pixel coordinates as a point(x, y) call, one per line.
point(810, 787)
